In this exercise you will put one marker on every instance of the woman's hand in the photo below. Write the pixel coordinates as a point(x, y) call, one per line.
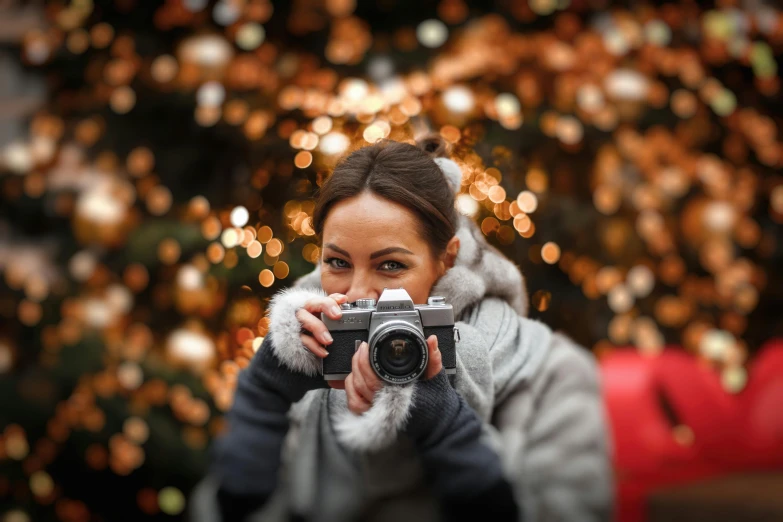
point(310, 321)
point(363, 383)
point(307, 316)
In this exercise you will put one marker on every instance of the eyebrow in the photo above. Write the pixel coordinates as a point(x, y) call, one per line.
point(379, 253)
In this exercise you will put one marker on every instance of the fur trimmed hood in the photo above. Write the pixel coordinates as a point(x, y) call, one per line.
point(480, 271)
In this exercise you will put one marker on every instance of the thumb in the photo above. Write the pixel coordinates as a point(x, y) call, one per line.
point(435, 364)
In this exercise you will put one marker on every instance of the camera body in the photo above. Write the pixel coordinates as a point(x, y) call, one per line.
point(396, 332)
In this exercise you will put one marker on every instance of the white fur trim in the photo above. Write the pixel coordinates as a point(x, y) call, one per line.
point(468, 247)
point(470, 288)
point(285, 329)
point(452, 172)
point(377, 427)
point(310, 280)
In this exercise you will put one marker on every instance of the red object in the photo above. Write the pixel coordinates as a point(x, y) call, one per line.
point(673, 422)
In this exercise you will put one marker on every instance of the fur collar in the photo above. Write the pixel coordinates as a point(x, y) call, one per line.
point(480, 271)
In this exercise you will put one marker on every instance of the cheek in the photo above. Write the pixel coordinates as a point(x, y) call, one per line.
point(419, 285)
point(335, 284)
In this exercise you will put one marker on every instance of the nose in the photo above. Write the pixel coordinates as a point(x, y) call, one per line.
point(361, 288)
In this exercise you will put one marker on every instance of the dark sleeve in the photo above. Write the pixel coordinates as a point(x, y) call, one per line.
point(238, 507)
point(465, 474)
point(497, 501)
point(246, 458)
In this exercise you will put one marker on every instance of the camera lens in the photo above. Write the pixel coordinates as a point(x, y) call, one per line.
point(399, 355)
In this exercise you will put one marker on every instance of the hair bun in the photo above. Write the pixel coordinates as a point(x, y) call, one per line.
point(438, 149)
point(434, 145)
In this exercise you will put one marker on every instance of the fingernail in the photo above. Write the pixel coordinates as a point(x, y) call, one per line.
point(326, 337)
point(336, 311)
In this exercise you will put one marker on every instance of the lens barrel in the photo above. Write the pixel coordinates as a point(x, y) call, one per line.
point(398, 353)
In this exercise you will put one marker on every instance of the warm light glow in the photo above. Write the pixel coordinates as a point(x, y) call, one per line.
point(432, 33)
point(458, 99)
point(239, 216)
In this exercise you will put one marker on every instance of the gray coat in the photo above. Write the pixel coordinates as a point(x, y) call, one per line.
point(536, 391)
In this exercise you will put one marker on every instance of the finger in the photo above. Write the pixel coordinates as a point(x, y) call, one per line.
point(356, 403)
point(313, 346)
point(339, 298)
point(371, 379)
point(337, 385)
point(325, 305)
point(314, 325)
point(358, 379)
point(435, 364)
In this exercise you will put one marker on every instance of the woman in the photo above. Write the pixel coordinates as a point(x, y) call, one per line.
point(519, 435)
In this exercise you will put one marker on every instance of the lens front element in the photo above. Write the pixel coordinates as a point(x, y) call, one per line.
point(399, 354)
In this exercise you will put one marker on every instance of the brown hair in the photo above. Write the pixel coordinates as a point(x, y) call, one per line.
point(400, 172)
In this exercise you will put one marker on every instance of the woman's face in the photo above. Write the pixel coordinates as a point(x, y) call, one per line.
point(371, 243)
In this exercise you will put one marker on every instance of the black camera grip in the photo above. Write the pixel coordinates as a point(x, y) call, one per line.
point(342, 349)
point(445, 335)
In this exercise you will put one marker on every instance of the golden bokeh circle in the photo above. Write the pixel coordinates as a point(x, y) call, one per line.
point(303, 159)
point(550, 253)
point(281, 270)
point(275, 247)
point(266, 278)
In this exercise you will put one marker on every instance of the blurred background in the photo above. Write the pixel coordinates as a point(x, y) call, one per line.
point(158, 161)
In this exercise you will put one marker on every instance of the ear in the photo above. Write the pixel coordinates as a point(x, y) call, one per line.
point(452, 249)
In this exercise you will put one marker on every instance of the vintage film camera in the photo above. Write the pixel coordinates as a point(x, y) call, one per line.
point(396, 331)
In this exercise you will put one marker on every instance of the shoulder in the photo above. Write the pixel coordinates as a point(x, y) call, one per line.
point(514, 345)
point(526, 350)
point(563, 355)
point(529, 351)
point(494, 314)
point(569, 366)
point(501, 324)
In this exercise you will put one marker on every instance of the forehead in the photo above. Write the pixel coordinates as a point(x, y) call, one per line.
point(368, 223)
